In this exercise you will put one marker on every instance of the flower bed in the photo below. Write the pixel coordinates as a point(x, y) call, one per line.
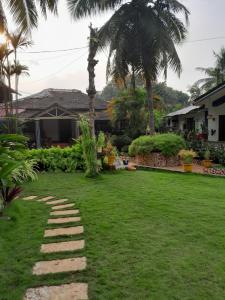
point(215, 171)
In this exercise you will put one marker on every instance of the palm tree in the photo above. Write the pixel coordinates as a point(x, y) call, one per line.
point(195, 92)
point(18, 40)
point(213, 78)
point(214, 75)
point(142, 35)
point(18, 70)
point(25, 13)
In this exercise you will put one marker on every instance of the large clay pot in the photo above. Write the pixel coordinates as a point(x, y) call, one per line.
point(111, 160)
point(207, 163)
point(188, 168)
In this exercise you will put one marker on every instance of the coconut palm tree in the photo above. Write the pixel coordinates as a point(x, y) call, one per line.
point(141, 34)
point(214, 75)
point(25, 13)
point(19, 70)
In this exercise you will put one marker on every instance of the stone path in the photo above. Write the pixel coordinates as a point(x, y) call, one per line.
point(62, 246)
point(64, 231)
point(64, 220)
point(73, 291)
point(65, 212)
point(60, 214)
point(62, 206)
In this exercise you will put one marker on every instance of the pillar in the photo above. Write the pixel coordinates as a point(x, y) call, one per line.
point(38, 133)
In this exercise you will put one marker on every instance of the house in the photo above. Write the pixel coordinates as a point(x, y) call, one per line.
point(206, 115)
point(51, 116)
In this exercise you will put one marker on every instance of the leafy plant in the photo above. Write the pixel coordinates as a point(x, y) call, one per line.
point(207, 154)
point(187, 156)
point(120, 141)
point(14, 168)
point(89, 149)
point(167, 144)
point(66, 159)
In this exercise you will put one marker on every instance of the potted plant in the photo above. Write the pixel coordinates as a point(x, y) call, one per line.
point(110, 153)
point(187, 157)
point(207, 163)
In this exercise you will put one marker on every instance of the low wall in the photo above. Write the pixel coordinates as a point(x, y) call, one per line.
point(156, 160)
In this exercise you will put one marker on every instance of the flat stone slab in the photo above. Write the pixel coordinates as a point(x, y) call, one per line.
point(73, 291)
point(64, 220)
point(62, 246)
point(30, 198)
point(63, 206)
point(46, 199)
point(65, 212)
point(57, 201)
point(60, 265)
point(64, 231)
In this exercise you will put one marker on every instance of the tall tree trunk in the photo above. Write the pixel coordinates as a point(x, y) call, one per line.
point(133, 79)
point(150, 106)
point(17, 102)
point(16, 88)
point(92, 62)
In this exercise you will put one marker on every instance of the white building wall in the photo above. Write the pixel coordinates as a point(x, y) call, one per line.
point(213, 120)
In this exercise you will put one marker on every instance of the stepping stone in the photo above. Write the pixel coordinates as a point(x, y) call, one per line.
point(30, 198)
point(64, 231)
point(72, 291)
point(64, 220)
point(46, 199)
point(65, 212)
point(62, 246)
point(60, 265)
point(63, 206)
point(57, 201)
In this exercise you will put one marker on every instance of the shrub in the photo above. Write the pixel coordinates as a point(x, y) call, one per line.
point(187, 156)
point(168, 144)
point(66, 159)
point(89, 149)
point(121, 141)
point(14, 168)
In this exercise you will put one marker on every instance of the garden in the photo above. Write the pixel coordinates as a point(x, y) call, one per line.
point(155, 235)
point(149, 235)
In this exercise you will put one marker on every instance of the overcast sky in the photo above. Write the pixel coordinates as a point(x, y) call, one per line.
point(68, 69)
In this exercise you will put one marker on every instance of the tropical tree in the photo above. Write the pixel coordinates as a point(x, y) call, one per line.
point(25, 13)
point(214, 75)
point(18, 70)
point(194, 91)
point(142, 37)
point(18, 40)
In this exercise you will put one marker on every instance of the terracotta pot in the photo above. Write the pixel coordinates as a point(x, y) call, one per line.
point(111, 160)
point(188, 168)
point(207, 163)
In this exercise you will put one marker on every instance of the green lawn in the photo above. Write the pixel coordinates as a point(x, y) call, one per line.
point(149, 235)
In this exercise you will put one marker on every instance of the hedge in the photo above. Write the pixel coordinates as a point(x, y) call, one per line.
point(66, 159)
point(168, 144)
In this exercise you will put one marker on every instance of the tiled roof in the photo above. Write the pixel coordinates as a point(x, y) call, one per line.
point(69, 99)
point(183, 111)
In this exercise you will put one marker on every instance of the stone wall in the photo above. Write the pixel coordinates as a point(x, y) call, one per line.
point(156, 160)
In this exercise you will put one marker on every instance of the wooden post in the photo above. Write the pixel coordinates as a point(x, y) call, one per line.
point(38, 133)
point(92, 62)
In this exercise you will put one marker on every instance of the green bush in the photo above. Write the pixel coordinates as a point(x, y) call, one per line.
point(66, 159)
point(168, 144)
point(121, 141)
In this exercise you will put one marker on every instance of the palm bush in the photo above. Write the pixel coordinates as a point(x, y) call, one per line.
point(167, 144)
point(14, 168)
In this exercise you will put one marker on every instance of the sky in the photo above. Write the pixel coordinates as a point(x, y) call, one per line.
point(68, 70)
